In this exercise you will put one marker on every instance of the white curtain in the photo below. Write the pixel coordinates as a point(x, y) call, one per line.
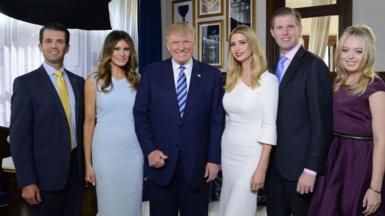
point(319, 36)
point(19, 51)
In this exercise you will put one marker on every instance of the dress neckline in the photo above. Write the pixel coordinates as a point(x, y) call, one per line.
point(118, 79)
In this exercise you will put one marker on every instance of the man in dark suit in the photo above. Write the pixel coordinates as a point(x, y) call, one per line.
point(179, 121)
point(46, 130)
point(304, 119)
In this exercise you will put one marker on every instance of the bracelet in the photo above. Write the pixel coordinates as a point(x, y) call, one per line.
point(377, 191)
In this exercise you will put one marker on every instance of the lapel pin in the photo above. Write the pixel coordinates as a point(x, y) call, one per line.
point(199, 75)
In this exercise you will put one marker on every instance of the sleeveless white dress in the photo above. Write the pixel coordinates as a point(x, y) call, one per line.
point(250, 121)
point(116, 155)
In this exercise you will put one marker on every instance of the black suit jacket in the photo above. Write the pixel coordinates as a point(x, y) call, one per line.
point(304, 121)
point(195, 138)
point(39, 132)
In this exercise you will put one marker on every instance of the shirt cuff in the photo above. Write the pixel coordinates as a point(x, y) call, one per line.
point(310, 172)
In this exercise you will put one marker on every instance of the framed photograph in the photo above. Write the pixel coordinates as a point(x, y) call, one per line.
point(183, 11)
point(210, 8)
point(210, 42)
point(240, 12)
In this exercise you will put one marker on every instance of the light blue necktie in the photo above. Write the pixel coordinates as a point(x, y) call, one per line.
point(181, 90)
point(280, 67)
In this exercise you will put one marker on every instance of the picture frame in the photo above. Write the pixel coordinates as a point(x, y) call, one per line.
point(210, 42)
point(240, 12)
point(208, 8)
point(183, 11)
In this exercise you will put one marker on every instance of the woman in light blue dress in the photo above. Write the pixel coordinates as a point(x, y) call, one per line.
point(113, 158)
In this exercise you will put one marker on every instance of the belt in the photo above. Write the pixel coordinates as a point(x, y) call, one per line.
point(355, 137)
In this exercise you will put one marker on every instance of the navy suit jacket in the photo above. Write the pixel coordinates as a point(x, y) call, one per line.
point(195, 138)
point(39, 132)
point(304, 121)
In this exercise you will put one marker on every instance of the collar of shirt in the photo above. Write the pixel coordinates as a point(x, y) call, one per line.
point(187, 71)
point(290, 55)
point(50, 70)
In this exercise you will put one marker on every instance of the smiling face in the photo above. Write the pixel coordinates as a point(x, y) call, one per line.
point(286, 32)
point(240, 48)
point(352, 54)
point(53, 47)
point(180, 44)
point(120, 54)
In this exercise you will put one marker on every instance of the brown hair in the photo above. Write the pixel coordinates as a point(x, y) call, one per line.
point(286, 11)
point(104, 68)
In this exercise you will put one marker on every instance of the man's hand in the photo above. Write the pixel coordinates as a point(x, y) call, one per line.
point(31, 194)
point(157, 159)
point(306, 183)
point(211, 172)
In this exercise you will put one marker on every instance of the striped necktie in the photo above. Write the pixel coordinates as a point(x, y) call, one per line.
point(181, 90)
point(65, 100)
point(280, 67)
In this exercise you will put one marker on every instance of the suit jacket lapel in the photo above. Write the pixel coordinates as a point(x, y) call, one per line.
point(53, 96)
point(193, 91)
point(291, 70)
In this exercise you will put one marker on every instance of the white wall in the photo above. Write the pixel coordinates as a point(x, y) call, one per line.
point(371, 12)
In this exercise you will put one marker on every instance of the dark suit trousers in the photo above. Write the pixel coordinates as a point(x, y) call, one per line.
point(282, 196)
point(177, 195)
point(64, 202)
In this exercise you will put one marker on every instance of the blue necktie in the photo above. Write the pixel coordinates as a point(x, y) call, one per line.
point(281, 64)
point(181, 90)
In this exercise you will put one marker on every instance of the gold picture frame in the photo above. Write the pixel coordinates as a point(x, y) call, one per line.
point(210, 42)
point(208, 8)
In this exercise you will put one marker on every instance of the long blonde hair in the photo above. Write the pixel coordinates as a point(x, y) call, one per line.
point(258, 60)
point(366, 65)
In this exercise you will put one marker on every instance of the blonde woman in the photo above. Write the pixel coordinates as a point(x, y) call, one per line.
point(354, 180)
point(250, 102)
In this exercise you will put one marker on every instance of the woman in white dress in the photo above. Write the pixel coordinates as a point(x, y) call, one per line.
point(113, 158)
point(250, 102)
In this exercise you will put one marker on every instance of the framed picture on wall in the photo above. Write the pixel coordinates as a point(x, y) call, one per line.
point(240, 12)
point(210, 42)
point(210, 8)
point(183, 11)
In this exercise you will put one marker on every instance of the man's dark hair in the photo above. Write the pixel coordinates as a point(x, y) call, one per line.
point(56, 27)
